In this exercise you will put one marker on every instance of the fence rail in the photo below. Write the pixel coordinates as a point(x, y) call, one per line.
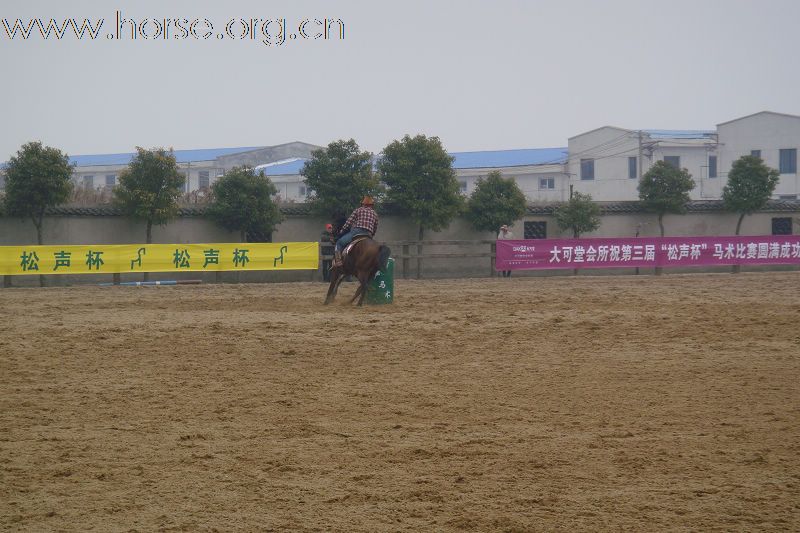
point(406, 254)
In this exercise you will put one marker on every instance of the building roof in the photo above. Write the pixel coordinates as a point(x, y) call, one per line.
point(181, 156)
point(599, 129)
point(759, 113)
point(681, 134)
point(660, 134)
point(462, 160)
point(510, 158)
point(285, 167)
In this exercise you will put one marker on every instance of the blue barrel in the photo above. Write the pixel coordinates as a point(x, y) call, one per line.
point(381, 289)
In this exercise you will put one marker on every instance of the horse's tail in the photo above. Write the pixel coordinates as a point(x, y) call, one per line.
point(383, 257)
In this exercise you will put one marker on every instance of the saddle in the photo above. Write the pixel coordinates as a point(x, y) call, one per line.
point(356, 239)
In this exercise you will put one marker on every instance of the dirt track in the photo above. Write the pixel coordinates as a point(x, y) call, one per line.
point(599, 403)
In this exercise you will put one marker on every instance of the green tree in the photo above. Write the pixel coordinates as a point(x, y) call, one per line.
point(750, 185)
point(150, 187)
point(580, 214)
point(421, 183)
point(339, 176)
point(242, 201)
point(37, 177)
point(665, 189)
point(494, 202)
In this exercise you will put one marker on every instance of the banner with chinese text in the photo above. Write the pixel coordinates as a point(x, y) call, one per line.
point(647, 252)
point(130, 258)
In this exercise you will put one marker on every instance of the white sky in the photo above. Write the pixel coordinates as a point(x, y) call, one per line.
point(481, 75)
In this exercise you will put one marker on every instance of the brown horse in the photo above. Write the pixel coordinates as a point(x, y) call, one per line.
point(365, 258)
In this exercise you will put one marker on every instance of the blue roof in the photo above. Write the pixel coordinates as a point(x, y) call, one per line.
point(287, 168)
point(483, 159)
point(181, 156)
point(509, 158)
point(681, 134)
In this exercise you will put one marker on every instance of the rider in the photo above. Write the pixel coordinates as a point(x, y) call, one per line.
point(363, 221)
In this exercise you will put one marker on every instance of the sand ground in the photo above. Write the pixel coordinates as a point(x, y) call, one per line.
point(591, 403)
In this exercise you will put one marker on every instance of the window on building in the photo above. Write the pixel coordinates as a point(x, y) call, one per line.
point(302, 191)
point(787, 197)
point(782, 226)
point(547, 183)
point(587, 169)
point(111, 180)
point(712, 166)
point(788, 161)
point(673, 160)
point(88, 182)
point(462, 185)
point(755, 153)
point(632, 174)
point(535, 230)
point(202, 179)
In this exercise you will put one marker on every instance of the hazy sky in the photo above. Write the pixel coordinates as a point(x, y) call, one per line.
point(481, 75)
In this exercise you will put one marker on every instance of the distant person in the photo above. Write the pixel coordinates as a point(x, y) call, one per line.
point(505, 234)
point(326, 242)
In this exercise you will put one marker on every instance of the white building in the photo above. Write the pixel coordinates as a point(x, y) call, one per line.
point(200, 167)
point(537, 172)
point(606, 162)
point(774, 137)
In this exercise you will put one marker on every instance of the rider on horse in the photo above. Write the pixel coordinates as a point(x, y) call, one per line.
point(363, 221)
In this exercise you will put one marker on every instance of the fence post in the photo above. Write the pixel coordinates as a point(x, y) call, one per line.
point(116, 278)
point(405, 261)
point(7, 281)
point(492, 271)
point(218, 277)
point(419, 259)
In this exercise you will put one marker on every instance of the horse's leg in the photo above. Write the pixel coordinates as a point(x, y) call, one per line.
point(363, 293)
point(359, 290)
point(339, 282)
point(336, 278)
point(363, 280)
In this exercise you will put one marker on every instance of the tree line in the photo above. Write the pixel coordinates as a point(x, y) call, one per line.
point(412, 176)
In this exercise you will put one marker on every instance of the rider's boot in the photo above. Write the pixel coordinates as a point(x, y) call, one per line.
point(337, 259)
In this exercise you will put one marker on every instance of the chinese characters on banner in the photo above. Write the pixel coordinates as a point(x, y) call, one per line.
point(128, 258)
point(648, 252)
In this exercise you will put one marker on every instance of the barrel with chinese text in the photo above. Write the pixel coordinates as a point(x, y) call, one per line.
point(381, 289)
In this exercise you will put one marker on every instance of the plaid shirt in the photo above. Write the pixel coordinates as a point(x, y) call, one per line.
point(363, 217)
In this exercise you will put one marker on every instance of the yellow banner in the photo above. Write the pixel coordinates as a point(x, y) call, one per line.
point(127, 258)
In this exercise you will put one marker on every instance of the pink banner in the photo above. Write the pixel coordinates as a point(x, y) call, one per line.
point(537, 254)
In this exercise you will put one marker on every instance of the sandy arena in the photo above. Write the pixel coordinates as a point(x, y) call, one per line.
point(536, 404)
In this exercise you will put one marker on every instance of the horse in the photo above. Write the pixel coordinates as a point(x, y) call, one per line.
point(364, 259)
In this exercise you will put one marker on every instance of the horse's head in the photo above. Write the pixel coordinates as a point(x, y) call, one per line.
point(338, 222)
